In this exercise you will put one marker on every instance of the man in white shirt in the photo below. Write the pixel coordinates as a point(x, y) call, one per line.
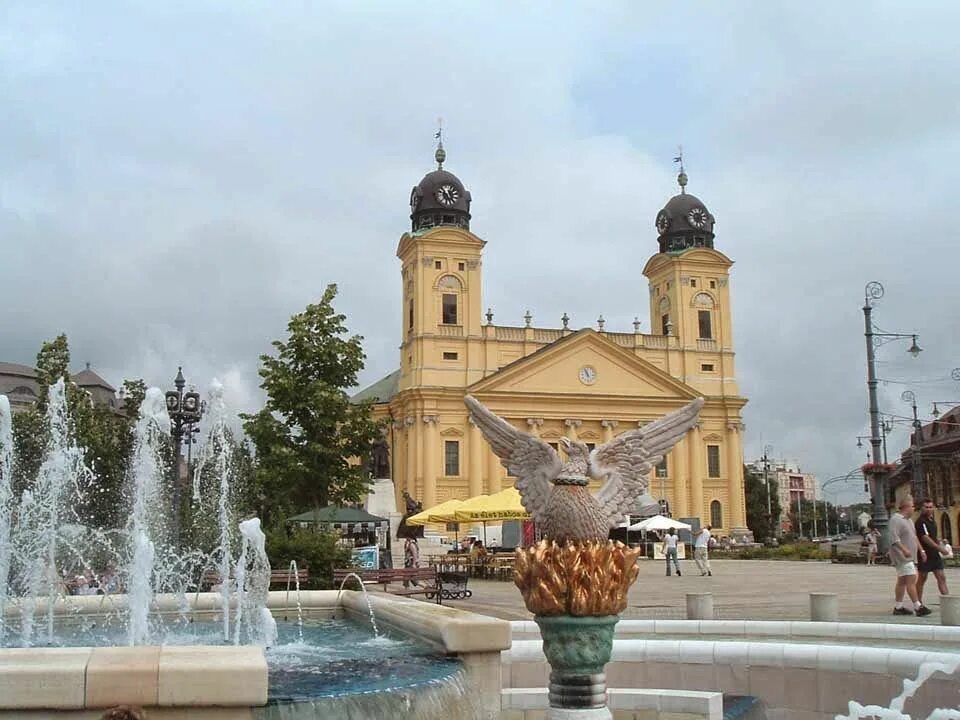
point(904, 552)
point(701, 544)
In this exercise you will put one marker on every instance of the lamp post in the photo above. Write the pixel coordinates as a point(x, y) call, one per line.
point(877, 471)
point(916, 464)
point(766, 482)
point(886, 427)
point(185, 410)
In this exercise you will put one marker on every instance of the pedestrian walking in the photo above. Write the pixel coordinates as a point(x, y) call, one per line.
point(411, 557)
point(670, 551)
point(904, 551)
point(871, 539)
point(926, 527)
point(701, 551)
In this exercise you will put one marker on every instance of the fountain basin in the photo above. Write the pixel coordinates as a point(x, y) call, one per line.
point(465, 676)
point(798, 669)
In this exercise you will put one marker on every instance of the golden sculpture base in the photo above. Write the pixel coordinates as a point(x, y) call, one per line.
point(584, 579)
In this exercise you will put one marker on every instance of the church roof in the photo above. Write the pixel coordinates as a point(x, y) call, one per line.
point(88, 378)
point(381, 391)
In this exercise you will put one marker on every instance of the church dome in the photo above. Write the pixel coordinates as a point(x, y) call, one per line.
point(684, 222)
point(439, 199)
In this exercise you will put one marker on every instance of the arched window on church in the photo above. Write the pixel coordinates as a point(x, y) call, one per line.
point(704, 304)
point(716, 514)
point(450, 289)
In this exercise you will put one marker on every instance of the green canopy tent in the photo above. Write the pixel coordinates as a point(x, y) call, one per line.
point(334, 515)
point(347, 521)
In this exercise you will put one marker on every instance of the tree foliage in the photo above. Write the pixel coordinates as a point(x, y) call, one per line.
point(762, 525)
point(105, 436)
point(309, 435)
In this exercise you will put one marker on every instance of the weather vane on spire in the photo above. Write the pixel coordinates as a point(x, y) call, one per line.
point(682, 177)
point(440, 155)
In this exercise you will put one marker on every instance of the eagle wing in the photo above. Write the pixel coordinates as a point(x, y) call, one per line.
point(626, 460)
point(530, 460)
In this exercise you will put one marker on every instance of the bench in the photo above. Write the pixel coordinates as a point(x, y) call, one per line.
point(284, 577)
point(209, 578)
point(430, 583)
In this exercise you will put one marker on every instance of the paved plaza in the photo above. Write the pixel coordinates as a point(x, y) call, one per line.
point(742, 590)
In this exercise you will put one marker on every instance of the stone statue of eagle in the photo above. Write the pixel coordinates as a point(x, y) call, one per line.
point(555, 493)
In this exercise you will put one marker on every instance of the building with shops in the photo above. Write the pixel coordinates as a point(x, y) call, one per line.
point(930, 468)
point(793, 486)
point(584, 383)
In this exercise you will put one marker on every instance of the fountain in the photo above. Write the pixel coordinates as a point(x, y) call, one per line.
point(222, 649)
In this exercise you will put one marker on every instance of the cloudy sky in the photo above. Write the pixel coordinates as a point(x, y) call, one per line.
point(177, 179)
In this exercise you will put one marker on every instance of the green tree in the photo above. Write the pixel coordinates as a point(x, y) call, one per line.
point(105, 436)
point(755, 489)
point(309, 435)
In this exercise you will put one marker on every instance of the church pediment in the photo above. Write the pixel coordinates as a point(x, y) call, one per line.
point(585, 363)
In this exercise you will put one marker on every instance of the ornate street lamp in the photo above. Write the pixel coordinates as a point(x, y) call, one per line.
point(875, 470)
point(185, 410)
point(919, 491)
point(767, 449)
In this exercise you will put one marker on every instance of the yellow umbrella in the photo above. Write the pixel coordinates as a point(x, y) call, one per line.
point(442, 513)
point(504, 505)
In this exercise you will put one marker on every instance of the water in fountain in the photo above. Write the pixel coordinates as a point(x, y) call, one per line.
point(47, 525)
point(216, 453)
point(6, 502)
point(146, 520)
point(253, 587)
point(366, 596)
point(895, 711)
point(293, 576)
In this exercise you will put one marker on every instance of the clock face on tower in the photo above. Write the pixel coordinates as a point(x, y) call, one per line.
point(447, 195)
point(698, 217)
point(414, 200)
point(588, 375)
point(663, 223)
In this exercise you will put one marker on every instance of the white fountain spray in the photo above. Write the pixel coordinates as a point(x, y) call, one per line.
point(45, 510)
point(253, 588)
point(6, 503)
point(144, 527)
point(217, 451)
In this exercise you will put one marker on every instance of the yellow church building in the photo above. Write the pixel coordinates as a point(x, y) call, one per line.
point(588, 384)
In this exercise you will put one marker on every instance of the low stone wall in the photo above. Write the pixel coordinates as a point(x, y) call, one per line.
point(814, 680)
point(531, 704)
point(223, 683)
point(231, 679)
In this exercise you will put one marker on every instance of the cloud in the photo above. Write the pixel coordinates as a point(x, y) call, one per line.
point(176, 182)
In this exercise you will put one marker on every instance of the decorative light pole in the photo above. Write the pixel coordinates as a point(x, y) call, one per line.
point(875, 470)
point(919, 491)
point(185, 410)
point(886, 427)
point(766, 482)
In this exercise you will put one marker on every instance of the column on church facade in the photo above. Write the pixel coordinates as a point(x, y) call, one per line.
point(412, 443)
point(697, 459)
point(398, 459)
point(431, 454)
point(570, 427)
point(608, 426)
point(494, 469)
point(477, 448)
point(533, 426)
point(678, 471)
point(737, 516)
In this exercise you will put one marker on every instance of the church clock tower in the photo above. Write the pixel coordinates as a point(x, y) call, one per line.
point(690, 306)
point(441, 275)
